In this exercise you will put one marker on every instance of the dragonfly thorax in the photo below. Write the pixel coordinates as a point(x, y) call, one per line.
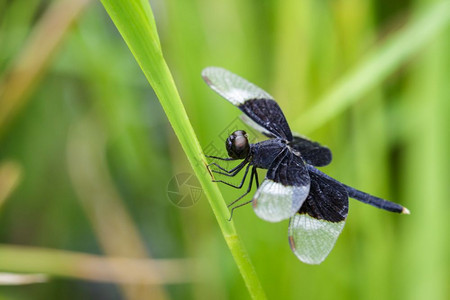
point(265, 152)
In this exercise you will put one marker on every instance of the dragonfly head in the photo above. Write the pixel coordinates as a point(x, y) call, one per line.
point(237, 145)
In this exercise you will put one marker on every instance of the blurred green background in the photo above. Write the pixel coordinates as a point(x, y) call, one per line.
point(86, 152)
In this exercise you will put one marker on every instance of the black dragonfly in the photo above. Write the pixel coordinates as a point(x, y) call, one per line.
point(316, 204)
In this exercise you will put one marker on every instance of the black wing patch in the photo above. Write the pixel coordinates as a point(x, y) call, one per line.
point(267, 114)
point(289, 170)
point(284, 190)
point(312, 153)
point(327, 200)
point(256, 103)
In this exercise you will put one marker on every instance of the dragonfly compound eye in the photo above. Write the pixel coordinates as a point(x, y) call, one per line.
point(237, 145)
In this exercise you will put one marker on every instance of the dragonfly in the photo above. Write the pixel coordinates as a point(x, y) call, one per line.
point(293, 188)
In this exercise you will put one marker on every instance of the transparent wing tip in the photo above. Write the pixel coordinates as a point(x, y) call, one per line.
point(303, 258)
point(211, 70)
point(312, 239)
point(270, 213)
point(274, 202)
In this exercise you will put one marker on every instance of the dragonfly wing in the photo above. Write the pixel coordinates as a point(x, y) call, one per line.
point(284, 190)
point(312, 152)
point(314, 230)
point(254, 102)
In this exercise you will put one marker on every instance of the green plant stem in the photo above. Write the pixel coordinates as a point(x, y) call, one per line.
point(135, 22)
point(71, 264)
point(377, 66)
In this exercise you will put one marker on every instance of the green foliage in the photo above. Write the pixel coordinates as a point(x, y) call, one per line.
point(135, 22)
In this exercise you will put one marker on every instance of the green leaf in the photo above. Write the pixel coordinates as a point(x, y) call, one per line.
point(134, 20)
